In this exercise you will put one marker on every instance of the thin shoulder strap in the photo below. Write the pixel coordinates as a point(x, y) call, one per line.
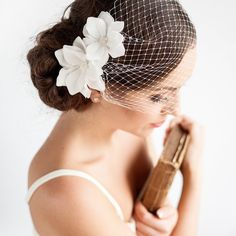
point(62, 172)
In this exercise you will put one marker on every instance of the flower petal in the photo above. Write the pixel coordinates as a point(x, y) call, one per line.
point(60, 57)
point(73, 55)
point(102, 28)
point(89, 40)
point(92, 77)
point(86, 91)
point(85, 31)
point(117, 51)
point(93, 71)
point(97, 84)
point(104, 58)
point(75, 81)
point(114, 38)
point(95, 51)
point(62, 77)
point(116, 26)
point(78, 42)
point(106, 16)
point(95, 27)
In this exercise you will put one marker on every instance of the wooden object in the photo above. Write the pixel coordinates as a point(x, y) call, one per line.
point(157, 185)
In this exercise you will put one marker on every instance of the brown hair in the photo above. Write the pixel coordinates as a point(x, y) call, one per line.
point(45, 67)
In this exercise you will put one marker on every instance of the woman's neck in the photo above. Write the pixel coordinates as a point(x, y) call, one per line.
point(91, 128)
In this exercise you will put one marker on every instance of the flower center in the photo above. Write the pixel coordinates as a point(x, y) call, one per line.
point(83, 64)
point(103, 41)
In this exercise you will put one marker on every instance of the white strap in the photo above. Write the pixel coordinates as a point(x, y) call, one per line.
point(62, 172)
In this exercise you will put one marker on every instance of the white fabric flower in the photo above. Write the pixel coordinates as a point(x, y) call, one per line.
point(82, 62)
point(77, 71)
point(102, 37)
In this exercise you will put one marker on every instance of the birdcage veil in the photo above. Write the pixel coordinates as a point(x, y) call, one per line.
point(157, 36)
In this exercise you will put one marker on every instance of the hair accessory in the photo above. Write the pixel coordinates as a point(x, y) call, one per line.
point(146, 71)
point(83, 61)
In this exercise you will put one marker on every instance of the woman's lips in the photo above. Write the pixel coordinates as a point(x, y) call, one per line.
point(157, 124)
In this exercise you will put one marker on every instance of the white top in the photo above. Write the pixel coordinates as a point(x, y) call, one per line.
point(61, 172)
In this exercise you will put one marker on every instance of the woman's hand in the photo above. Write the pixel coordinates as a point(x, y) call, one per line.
point(148, 224)
point(193, 158)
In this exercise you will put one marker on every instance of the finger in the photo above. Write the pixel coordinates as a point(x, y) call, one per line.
point(186, 123)
point(187, 118)
point(192, 127)
point(165, 211)
point(175, 121)
point(139, 233)
point(141, 210)
point(183, 117)
point(147, 218)
point(146, 230)
point(158, 225)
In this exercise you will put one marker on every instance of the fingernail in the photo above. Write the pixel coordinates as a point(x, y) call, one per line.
point(164, 212)
point(160, 213)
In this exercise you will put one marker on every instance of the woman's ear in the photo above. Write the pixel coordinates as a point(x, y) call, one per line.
point(95, 96)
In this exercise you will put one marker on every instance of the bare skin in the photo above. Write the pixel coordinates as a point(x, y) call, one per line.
point(107, 141)
point(122, 161)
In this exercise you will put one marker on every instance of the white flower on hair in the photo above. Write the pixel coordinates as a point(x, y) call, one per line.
point(77, 71)
point(102, 37)
point(82, 62)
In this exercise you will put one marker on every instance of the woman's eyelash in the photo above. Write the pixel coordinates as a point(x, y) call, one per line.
point(157, 98)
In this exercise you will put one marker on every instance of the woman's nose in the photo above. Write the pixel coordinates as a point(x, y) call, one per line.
point(175, 111)
point(172, 107)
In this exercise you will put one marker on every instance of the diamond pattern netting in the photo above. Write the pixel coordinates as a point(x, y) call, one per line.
point(158, 39)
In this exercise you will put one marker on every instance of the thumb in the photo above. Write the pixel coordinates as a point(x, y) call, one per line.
point(165, 211)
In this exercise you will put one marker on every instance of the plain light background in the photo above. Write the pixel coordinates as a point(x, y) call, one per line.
point(209, 98)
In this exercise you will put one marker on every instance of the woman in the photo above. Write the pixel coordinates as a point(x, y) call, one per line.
point(114, 79)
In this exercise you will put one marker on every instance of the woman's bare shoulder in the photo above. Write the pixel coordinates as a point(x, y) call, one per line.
point(75, 189)
point(66, 206)
point(43, 162)
point(49, 157)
